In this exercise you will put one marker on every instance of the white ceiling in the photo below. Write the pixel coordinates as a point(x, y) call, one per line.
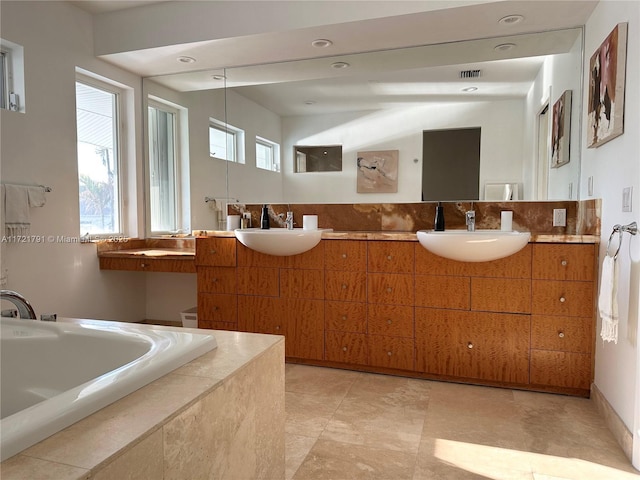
point(373, 80)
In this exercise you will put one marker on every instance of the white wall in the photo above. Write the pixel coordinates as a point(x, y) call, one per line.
point(400, 129)
point(39, 147)
point(613, 166)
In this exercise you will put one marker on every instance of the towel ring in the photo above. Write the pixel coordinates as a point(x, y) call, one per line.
point(619, 232)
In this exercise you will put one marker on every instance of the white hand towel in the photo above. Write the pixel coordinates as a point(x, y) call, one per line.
point(608, 300)
point(37, 196)
point(16, 210)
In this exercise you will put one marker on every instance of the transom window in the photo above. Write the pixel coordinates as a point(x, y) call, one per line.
point(226, 142)
point(267, 154)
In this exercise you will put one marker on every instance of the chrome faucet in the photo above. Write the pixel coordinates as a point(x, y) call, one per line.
point(24, 308)
point(289, 221)
point(471, 221)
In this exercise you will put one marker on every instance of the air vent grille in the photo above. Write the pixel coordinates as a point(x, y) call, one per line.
point(469, 73)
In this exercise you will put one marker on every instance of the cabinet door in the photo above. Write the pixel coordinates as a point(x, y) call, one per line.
point(561, 369)
point(439, 291)
point(259, 281)
point(216, 251)
point(260, 314)
point(391, 320)
point(298, 283)
point(391, 352)
point(391, 257)
point(213, 307)
point(564, 261)
point(345, 317)
point(509, 295)
point(345, 286)
point(487, 346)
point(346, 348)
point(217, 279)
point(567, 334)
point(573, 299)
point(345, 255)
point(304, 328)
point(392, 289)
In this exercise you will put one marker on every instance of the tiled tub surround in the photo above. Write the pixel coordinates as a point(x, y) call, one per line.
point(220, 416)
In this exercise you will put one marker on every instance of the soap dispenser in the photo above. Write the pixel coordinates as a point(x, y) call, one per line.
point(264, 218)
point(439, 222)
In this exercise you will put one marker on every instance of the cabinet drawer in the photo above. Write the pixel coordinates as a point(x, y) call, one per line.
point(391, 352)
point(213, 307)
point(217, 279)
point(346, 255)
point(391, 257)
point(563, 262)
point(390, 320)
point(346, 317)
point(487, 346)
point(345, 286)
point(219, 325)
point(573, 299)
point(258, 281)
point(392, 289)
point(296, 283)
point(561, 369)
point(567, 334)
point(218, 252)
point(346, 348)
point(509, 295)
point(439, 291)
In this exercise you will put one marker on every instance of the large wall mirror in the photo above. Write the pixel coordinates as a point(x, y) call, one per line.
point(383, 101)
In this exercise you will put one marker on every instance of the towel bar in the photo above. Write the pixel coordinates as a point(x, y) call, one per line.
point(631, 228)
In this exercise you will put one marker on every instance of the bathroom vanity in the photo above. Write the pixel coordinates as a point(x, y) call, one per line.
point(380, 302)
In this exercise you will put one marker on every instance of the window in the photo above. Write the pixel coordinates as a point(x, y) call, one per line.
point(97, 108)
point(225, 142)
point(267, 154)
point(4, 80)
point(12, 76)
point(163, 167)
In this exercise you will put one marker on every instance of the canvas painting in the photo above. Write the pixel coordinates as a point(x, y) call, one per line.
point(378, 172)
point(561, 130)
point(606, 88)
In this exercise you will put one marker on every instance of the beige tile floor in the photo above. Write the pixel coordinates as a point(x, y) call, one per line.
point(345, 425)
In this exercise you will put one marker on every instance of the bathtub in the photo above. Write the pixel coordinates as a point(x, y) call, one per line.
point(54, 374)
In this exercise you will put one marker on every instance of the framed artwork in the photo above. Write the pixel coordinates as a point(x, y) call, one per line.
point(378, 172)
point(606, 88)
point(561, 130)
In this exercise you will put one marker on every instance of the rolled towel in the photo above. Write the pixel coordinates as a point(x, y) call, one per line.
point(608, 300)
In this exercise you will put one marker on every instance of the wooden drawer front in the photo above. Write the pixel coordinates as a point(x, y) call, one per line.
point(304, 328)
point(251, 258)
point(564, 262)
point(213, 307)
point(345, 286)
point(517, 265)
point(296, 283)
point(567, 334)
point(510, 295)
point(390, 289)
point(347, 255)
point(488, 346)
point(146, 264)
point(391, 257)
point(257, 314)
point(346, 348)
point(345, 317)
point(218, 252)
point(390, 320)
point(573, 299)
point(561, 369)
point(391, 352)
point(217, 279)
point(258, 281)
point(223, 326)
point(311, 259)
point(438, 291)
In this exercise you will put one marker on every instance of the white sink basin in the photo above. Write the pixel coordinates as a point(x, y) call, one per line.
point(478, 246)
point(279, 241)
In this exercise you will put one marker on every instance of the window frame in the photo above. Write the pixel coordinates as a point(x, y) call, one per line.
point(237, 134)
point(274, 148)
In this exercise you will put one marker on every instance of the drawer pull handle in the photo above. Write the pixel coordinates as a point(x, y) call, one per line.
point(277, 327)
point(344, 286)
point(212, 252)
point(389, 353)
point(562, 299)
point(344, 255)
point(469, 345)
point(143, 265)
point(561, 334)
point(344, 317)
point(214, 280)
point(389, 257)
point(389, 322)
point(344, 349)
point(389, 289)
point(563, 263)
point(215, 309)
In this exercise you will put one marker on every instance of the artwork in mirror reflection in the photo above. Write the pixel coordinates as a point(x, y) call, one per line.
point(377, 172)
point(560, 130)
point(326, 158)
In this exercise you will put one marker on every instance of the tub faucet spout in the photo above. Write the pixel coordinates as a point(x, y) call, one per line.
point(471, 221)
point(24, 307)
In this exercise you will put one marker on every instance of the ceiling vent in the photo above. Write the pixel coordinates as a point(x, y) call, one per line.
point(469, 73)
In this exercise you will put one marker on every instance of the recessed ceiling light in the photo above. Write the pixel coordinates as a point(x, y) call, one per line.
point(504, 47)
point(185, 59)
point(511, 19)
point(218, 77)
point(470, 89)
point(322, 43)
point(340, 65)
